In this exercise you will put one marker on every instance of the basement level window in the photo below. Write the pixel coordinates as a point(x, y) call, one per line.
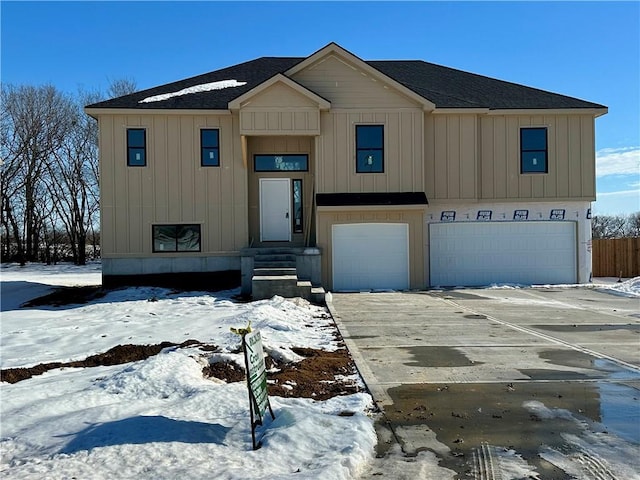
point(533, 150)
point(176, 238)
point(136, 147)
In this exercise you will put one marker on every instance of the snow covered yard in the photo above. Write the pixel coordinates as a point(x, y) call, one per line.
point(160, 417)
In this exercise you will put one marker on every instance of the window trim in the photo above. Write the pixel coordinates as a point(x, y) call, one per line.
point(175, 225)
point(202, 147)
point(381, 149)
point(129, 147)
point(545, 151)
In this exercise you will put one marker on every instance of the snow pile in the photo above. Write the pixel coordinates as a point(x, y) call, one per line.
point(159, 417)
point(628, 288)
point(205, 87)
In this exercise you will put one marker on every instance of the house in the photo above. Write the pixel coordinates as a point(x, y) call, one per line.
point(347, 174)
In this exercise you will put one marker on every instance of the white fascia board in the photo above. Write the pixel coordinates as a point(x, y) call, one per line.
point(597, 112)
point(95, 112)
point(449, 111)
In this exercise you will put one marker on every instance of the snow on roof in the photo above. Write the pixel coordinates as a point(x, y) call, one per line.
point(205, 87)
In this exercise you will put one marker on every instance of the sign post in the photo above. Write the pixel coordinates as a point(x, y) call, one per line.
point(256, 381)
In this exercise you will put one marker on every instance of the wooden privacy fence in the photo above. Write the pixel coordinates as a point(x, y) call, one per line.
point(611, 256)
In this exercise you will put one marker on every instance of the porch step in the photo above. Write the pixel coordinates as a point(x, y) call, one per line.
point(274, 261)
point(275, 273)
point(271, 270)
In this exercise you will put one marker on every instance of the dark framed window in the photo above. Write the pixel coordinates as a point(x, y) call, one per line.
point(280, 163)
point(297, 206)
point(210, 147)
point(533, 150)
point(136, 147)
point(369, 148)
point(176, 238)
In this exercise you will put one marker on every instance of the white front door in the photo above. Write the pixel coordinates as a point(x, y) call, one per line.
point(275, 201)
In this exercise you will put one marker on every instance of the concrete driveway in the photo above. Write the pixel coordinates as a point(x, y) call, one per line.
point(472, 373)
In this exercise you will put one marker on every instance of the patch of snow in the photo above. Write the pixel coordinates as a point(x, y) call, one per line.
point(512, 466)
point(159, 418)
point(590, 454)
point(205, 87)
point(627, 288)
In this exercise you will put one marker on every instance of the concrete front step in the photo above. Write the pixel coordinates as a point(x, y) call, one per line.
point(270, 271)
point(280, 257)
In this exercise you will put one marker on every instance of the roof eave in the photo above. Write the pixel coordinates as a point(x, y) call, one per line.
point(597, 112)
point(95, 112)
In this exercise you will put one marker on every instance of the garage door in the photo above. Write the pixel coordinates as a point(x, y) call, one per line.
point(483, 253)
point(370, 256)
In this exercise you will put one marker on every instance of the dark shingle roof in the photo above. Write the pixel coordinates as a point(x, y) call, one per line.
point(451, 88)
point(253, 72)
point(445, 87)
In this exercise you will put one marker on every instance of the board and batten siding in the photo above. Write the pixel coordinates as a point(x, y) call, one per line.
point(277, 145)
point(571, 158)
point(280, 110)
point(451, 156)
point(173, 187)
point(403, 152)
point(347, 86)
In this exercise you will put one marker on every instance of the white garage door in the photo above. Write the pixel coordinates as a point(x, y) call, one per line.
point(370, 256)
point(483, 253)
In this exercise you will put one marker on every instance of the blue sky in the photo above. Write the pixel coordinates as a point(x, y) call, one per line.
point(587, 50)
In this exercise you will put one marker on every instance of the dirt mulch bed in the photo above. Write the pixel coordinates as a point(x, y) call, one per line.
point(313, 377)
point(114, 356)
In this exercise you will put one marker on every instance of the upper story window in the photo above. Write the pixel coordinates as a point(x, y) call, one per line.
point(176, 238)
point(369, 148)
point(210, 147)
point(136, 147)
point(279, 163)
point(533, 150)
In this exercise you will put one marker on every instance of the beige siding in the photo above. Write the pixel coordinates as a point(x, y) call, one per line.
point(571, 158)
point(173, 187)
point(403, 153)
point(280, 110)
point(450, 156)
point(280, 145)
point(346, 86)
point(414, 218)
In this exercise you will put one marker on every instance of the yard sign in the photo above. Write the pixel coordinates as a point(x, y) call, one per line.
point(256, 381)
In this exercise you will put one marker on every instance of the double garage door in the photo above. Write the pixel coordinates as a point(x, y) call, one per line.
point(484, 253)
point(370, 256)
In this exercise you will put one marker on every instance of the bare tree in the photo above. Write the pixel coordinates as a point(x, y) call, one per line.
point(72, 179)
point(120, 87)
point(35, 121)
point(615, 226)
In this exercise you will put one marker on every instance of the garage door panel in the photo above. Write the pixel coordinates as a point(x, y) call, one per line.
point(482, 253)
point(370, 256)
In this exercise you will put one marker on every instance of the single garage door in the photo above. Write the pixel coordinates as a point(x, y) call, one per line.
point(483, 253)
point(370, 256)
